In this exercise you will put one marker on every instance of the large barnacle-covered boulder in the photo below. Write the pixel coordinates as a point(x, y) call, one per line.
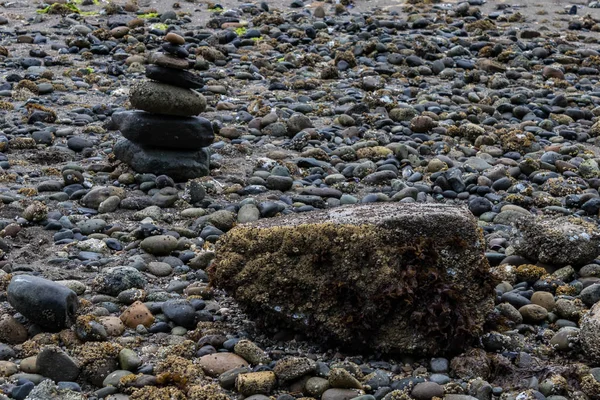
point(394, 277)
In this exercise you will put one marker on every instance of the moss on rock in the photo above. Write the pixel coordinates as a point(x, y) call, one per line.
point(402, 278)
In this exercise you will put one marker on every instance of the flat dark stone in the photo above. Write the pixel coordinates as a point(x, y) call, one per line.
point(174, 77)
point(164, 131)
point(177, 164)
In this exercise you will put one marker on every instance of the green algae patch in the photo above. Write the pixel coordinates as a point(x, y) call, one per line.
point(148, 15)
point(60, 9)
point(161, 27)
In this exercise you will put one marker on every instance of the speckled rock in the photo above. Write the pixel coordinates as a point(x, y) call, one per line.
point(218, 363)
point(137, 314)
point(255, 383)
point(45, 303)
point(251, 352)
point(590, 333)
point(293, 368)
point(559, 241)
point(413, 226)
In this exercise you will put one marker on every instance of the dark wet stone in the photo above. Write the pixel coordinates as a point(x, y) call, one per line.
point(187, 133)
point(181, 312)
point(45, 303)
point(78, 144)
point(174, 77)
point(178, 164)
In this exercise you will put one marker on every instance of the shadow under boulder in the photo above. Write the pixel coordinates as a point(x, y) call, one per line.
point(393, 277)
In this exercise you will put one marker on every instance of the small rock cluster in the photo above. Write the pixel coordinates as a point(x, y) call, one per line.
point(166, 137)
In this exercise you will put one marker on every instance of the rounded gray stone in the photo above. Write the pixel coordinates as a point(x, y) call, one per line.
point(160, 98)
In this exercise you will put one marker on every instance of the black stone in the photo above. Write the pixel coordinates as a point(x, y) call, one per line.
point(55, 364)
point(181, 312)
point(175, 50)
point(77, 144)
point(480, 205)
point(174, 77)
point(20, 392)
point(164, 131)
point(45, 303)
point(177, 164)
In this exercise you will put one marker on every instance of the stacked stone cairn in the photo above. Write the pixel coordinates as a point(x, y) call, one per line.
point(163, 135)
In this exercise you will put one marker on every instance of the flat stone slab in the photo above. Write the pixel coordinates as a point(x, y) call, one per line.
point(406, 278)
point(163, 131)
point(178, 164)
point(175, 77)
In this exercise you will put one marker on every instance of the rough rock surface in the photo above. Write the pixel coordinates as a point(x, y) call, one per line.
point(403, 278)
point(589, 334)
point(559, 241)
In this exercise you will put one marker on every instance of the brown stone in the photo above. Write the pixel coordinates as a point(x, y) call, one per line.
point(135, 59)
point(342, 379)
point(427, 391)
point(533, 313)
point(319, 12)
point(233, 25)
point(25, 39)
point(490, 66)
point(119, 32)
point(11, 330)
point(136, 23)
point(231, 132)
point(113, 325)
point(11, 230)
point(215, 364)
point(29, 365)
point(422, 124)
point(8, 368)
point(551, 72)
point(544, 299)
point(174, 38)
point(166, 61)
point(340, 394)
point(137, 314)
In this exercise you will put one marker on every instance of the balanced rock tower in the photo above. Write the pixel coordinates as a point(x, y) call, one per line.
point(163, 135)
